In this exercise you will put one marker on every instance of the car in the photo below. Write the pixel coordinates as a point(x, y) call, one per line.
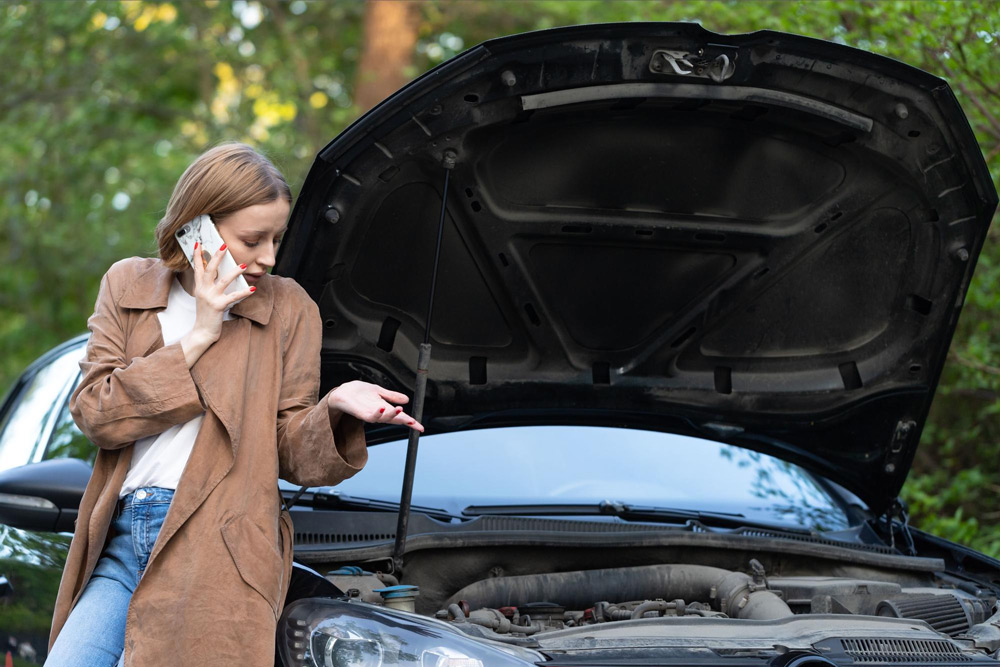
point(672, 306)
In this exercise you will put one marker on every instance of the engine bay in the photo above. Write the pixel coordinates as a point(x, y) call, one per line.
point(684, 600)
point(700, 591)
point(605, 591)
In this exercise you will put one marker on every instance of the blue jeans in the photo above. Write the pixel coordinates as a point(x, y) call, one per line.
point(94, 633)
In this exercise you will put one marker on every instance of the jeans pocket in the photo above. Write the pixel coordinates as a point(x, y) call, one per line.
point(156, 517)
point(256, 557)
point(147, 520)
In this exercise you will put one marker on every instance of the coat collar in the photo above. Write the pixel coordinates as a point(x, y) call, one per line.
point(151, 287)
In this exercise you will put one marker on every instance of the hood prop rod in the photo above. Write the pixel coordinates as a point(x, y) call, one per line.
point(423, 363)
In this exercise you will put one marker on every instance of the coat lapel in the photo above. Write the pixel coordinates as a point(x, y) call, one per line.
point(221, 372)
point(149, 292)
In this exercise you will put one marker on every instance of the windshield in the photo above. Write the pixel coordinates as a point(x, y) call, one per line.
point(588, 465)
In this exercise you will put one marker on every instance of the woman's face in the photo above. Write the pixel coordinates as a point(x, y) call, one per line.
point(252, 235)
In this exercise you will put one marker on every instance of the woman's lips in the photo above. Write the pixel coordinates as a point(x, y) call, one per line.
point(252, 277)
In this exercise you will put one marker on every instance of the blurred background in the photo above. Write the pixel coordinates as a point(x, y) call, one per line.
point(103, 104)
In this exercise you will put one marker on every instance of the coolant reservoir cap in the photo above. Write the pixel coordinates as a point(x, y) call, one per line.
point(349, 571)
point(398, 592)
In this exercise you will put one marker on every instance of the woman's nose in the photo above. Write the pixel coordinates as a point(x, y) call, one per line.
point(266, 258)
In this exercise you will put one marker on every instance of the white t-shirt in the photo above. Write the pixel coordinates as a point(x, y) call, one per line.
point(159, 460)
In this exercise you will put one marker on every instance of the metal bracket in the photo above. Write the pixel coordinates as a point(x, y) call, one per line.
point(898, 510)
point(759, 576)
point(703, 65)
point(905, 429)
point(675, 59)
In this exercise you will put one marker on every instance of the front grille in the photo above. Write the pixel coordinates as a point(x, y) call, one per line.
point(871, 651)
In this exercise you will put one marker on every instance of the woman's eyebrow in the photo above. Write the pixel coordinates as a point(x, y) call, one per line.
point(264, 231)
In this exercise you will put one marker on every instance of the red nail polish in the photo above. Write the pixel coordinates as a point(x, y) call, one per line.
point(195, 245)
point(243, 266)
point(412, 423)
point(381, 410)
point(222, 247)
point(398, 410)
point(253, 289)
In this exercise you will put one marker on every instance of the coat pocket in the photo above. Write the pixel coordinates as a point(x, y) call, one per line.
point(257, 558)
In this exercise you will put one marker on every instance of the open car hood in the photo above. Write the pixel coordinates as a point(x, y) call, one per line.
point(761, 239)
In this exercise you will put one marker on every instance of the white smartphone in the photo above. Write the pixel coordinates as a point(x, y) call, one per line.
point(202, 230)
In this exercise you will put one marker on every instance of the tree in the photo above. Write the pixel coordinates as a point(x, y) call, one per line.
point(109, 102)
point(390, 35)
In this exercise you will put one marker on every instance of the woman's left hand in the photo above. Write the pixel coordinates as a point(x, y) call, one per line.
point(371, 403)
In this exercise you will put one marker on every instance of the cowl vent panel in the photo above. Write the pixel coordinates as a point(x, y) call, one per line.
point(895, 651)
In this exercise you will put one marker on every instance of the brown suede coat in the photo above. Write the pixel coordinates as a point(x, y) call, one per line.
point(216, 580)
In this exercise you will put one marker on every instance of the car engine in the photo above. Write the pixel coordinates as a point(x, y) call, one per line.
point(529, 605)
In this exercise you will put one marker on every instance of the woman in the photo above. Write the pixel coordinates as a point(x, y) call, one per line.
point(182, 553)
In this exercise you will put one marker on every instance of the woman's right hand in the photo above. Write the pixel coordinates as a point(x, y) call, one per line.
point(209, 293)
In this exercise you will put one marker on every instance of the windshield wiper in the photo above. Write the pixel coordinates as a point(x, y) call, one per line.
point(621, 510)
point(318, 499)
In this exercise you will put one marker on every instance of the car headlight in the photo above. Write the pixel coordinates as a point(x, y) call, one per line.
point(320, 632)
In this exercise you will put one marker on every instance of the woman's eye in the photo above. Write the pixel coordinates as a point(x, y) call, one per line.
point(254, 244)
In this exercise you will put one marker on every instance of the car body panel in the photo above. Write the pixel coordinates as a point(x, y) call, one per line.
point(762, 239)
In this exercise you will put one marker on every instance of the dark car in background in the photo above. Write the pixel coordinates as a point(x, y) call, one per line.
point(681, 301)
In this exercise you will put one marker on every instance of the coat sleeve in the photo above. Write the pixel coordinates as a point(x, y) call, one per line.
point(118, 400)
point(317, 446)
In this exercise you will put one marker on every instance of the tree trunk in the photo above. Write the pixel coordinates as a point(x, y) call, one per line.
point(390, 35)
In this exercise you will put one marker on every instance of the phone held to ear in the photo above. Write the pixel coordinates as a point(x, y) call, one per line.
point(202, 230)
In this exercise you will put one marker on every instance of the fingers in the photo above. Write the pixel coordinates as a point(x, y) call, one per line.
point(372, 403)
point(390, 414)
point(385, 414)
point(236, 296)
point(392, 396)
point(407, 420)
point(232, 276)
point(395, 415)
point(199, 267)
point(386, 394)
point(212, 269)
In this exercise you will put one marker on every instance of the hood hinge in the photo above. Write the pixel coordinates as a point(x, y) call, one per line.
point(897, 520)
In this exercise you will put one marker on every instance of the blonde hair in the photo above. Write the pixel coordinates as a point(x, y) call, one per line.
point(221, 181)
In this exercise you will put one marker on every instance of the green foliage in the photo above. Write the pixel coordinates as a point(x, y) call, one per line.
point(110, 101)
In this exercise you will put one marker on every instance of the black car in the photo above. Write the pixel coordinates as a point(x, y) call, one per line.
point(674, 306)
